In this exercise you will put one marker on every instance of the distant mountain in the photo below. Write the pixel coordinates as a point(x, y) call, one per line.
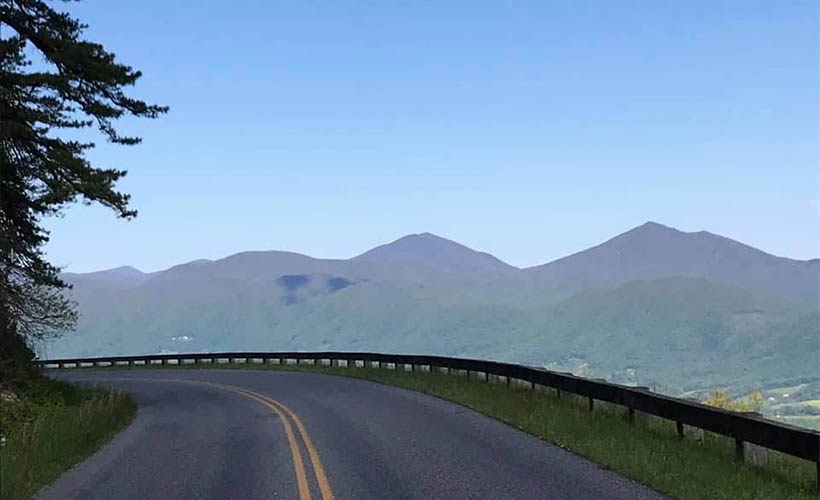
point(251, 266)
point(652, 305)
point(654, 251)
point(429, 250)
point(119, 276)
point(679, 333)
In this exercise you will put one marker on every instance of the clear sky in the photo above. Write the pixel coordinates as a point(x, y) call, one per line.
point(529, 130)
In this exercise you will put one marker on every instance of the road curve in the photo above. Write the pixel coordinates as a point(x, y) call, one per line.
point(222, 434)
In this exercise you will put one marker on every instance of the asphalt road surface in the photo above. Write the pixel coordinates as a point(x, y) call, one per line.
point(246, 434)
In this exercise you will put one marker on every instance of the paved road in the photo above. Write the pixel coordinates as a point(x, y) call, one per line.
point(243, 434)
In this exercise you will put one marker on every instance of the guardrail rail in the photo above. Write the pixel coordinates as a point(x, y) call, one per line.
point(742, 427)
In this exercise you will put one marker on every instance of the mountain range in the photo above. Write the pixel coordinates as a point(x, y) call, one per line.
point(654, 306)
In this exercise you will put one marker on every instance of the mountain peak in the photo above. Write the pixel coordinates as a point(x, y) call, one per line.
point(655, 225)
point(119, 276)
point(423, 238)
point(652, 251)
point(431, 250)
point(115, 272)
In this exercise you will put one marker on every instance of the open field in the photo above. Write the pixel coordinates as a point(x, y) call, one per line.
point(794, 404)
point(807, 421)
point(53, 426)
point(647, 450)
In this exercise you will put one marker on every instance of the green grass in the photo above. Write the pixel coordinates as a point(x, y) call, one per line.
point(52, 426)
point(807, 421)
point(647, 450)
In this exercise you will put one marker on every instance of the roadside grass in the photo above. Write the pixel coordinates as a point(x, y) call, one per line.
point(52, 426)
point(647, 450)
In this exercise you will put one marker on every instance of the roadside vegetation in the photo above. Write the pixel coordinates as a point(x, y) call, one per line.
point(648, 450)
point(56, 83)
point(47, 426)
point(702, 466)
point(722, 399)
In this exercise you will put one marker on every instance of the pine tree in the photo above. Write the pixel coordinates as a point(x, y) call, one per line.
point(76, 84)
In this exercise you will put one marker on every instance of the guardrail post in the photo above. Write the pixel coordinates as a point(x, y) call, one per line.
point(631, 415)
point(591, 404)
point(817, 469)
point(679, 426)
point(739, 448)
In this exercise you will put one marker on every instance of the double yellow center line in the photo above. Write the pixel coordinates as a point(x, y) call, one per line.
point(283, 412)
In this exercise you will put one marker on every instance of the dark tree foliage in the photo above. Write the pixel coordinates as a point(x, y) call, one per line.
point(51, 80)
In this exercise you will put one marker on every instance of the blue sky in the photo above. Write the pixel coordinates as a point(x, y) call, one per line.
point(527, 130)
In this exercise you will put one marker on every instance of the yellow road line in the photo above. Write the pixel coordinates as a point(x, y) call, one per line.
point(319, 471)
point(298, 464)
point(278, 408)
point(321, 478)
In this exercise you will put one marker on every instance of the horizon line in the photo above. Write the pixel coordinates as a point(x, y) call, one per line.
point(647, 223)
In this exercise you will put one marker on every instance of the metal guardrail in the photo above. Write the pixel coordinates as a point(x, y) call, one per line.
point(789, 439)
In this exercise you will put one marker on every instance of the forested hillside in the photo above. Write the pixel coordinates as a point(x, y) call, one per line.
point(653, 306)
